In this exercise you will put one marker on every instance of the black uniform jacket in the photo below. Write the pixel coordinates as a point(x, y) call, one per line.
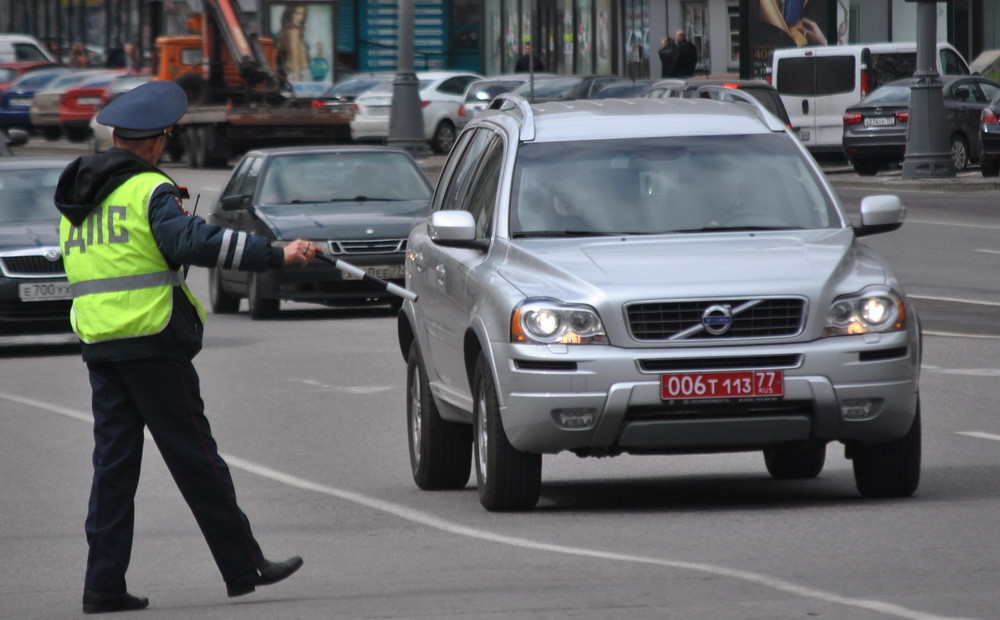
point(183, 239)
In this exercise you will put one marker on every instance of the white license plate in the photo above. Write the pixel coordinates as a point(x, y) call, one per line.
point(804, 136)
point(44, 291)
point(382, 110)
point(89, 101)
point(880, 121)
point(20, 101)
point(386, 272)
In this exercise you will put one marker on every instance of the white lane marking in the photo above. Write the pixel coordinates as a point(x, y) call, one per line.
point(985, 251)
point(954, 335)
point(979, 435)
point(451, 527)
point(348, 389)
point(956, 300)
point(954, 224)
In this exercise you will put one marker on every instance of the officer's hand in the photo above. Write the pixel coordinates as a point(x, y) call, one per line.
point(301, 250)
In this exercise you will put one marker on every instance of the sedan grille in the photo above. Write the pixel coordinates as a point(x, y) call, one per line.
point(701, 320)
point(31, 266)
point(368, 246)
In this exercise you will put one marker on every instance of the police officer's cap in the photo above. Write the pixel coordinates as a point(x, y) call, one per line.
point(147, 110)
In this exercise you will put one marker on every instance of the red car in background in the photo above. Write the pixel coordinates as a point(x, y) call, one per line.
point(79, 104)
point(10, 71)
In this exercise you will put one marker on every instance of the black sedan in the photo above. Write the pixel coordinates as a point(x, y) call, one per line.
point(357, 203)
point(989, 138)
point(34, 292)
point(875, 129)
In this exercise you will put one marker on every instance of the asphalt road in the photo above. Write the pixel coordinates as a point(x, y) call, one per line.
point(309, 410)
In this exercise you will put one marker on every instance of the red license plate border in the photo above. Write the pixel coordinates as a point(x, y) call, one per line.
point(722, 386)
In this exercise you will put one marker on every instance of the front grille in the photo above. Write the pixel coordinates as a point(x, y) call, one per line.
point(31, 266)
point(751, 318)
point(368, 246)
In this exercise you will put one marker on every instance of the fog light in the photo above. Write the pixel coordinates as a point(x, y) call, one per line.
point(575, 418)
point(857, 408)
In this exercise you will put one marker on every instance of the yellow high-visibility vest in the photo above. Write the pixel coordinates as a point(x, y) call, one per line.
point(121, 284)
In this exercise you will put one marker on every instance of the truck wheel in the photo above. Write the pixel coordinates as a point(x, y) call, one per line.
point(77, 134)
point(796, 461)
point(440, 451)
point(195, 87)
point(508, 479)
point(260, 307)
point(220, 301)
point(889, 469)
point(444, 137)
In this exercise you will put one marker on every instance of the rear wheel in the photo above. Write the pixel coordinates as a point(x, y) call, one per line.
point(796, 461)
point(221, 301)
point(959, 152)
point(508, 479)
point(440, 451)
point(444, 137)
point(889, 469)
point(866, 168)
point(260, 306)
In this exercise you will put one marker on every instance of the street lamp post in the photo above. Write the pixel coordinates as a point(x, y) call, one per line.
point(928, 147)
point(406, 121)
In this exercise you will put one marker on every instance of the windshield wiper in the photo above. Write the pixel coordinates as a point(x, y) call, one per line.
point(736, 228)
point(561, 233)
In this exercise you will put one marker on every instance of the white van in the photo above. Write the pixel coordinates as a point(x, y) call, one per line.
point(817, 84)
point(21, 47)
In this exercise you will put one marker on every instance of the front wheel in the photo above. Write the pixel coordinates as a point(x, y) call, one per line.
point(440, 451)
point(889, 469)
point(260, 306)
point(796, 461)
point(508, 479)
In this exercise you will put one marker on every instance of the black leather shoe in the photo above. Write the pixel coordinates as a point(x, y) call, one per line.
point(95, 602)
point(270, 572)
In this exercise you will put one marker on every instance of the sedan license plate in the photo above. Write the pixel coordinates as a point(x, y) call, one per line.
point(880, 121)
point(386, 272)
point(21, 102)
point(804, 136)
point(44, 291)
point(722, 385)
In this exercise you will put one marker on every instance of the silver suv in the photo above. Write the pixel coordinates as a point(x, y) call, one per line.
point(651, 276)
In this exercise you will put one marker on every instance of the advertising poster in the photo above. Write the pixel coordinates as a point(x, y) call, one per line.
point(304, 42)
point(772, 24)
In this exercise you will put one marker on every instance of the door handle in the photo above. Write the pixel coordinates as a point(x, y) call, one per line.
point(805, 106)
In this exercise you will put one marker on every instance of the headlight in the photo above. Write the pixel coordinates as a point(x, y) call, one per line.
point(546, 321)
point(870, 311)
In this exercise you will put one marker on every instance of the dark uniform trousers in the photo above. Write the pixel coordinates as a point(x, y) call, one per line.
point(163, 395)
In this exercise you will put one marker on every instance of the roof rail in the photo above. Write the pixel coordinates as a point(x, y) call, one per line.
point(505, 101)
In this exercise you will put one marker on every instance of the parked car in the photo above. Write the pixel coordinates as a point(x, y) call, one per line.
point(10, 71)
point(44, 112)
point(874, 135)
point(34, 291)
point(722, 90)
point(23, 48)
point(673, 303)
point(16, 99)
point(440, 92)
point(348, 90)
point(358, 203)
point(566, 87)
point(989, 138)
point(624, 90)
point(817, 83)
point(479, 93)
point(79, 105)
point(100, 135)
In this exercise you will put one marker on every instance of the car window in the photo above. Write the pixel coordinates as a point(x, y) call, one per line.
point(483, 190)
point(822, 75)
point(352, 177)
point(951, 64)
point(238, 180)
point(455, 85)
point(892, 93)
point(461, 181)
point(26, 195)
point(28, 51)
point(989, 90)
point(663, 185)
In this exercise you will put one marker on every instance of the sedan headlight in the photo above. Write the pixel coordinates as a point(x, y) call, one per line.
point(873, 310)
point(546, 321)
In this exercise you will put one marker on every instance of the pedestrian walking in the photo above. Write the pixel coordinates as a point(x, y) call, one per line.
point(125, 239)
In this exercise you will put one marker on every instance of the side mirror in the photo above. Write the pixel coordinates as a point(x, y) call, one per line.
point(880, 214)
point(235, 201)
point(453, 228)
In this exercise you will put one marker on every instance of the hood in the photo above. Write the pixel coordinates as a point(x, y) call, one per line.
point(88, 180)
point(21, 235)
point(345, 220)
point(688, 266)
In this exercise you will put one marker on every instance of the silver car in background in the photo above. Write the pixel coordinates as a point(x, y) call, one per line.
point(593, 283)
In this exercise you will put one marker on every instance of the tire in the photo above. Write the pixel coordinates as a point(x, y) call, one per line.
point(507, 478)
point(78, 134)
point(440, 451)
point(260, 307)
point(51, 133)
point(797, 461)
point(444, 137)
point(866, 168)
point(959, 152)
point(220, 301)
point(889, 469)
point(989, 167)
point(195, 87)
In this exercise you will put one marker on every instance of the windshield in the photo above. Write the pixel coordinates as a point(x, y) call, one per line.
point(898, 93)
point(26, 195)
point(666, 185)
point(342, 177)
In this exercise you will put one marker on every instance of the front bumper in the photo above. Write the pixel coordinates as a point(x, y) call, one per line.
point(538, 384)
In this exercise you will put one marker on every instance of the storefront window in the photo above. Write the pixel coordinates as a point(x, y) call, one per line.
point(635, 37)
point(585, 37)
point(603, 32)
point(493, 37)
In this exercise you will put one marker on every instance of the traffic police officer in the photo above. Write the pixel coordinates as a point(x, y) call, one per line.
point(125, 239)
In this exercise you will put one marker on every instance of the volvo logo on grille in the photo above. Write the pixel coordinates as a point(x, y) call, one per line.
point(53, 255)
point(369, 231)
point(717, 319)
